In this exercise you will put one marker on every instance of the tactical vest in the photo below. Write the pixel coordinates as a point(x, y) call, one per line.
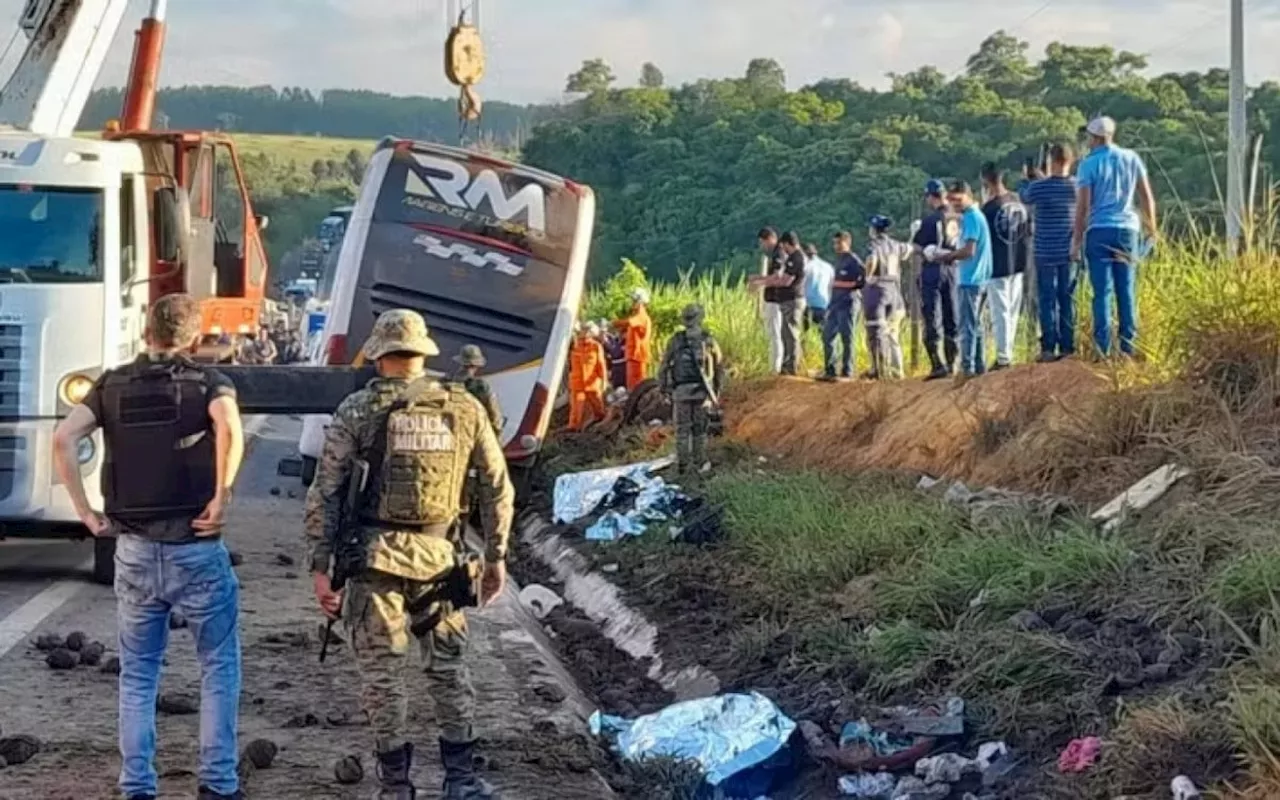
point(160, 460)
point(425, 451)
point(691, 359)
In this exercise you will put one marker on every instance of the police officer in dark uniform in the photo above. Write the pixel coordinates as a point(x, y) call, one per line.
point(174, 443)
point(939, 229)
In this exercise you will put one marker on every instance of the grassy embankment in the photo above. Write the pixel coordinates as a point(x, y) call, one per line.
point(856, 588)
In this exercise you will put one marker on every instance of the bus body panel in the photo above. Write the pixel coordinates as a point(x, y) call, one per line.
point(485, 258)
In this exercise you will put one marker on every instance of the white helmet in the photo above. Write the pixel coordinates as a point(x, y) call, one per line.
point(593, 330)
point(640, 295)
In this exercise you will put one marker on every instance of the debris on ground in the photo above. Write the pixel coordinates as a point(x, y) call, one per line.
point(76, 640)
point(1139, 496)
point(1184, 789)
point(990, 504)
point(616, 502)
point(48, 642)
point(261, 753)
point(348, 770)
point(740, 741)
point(177, 704)
point(539, 600)
point(62, 659)
point(16, 750)
point(1080, 754)
point(111, 666)
point(285, 560)
point(878, 786)
point(235, 558)
point(91, 654)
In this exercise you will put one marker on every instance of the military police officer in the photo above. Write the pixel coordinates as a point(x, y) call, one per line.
point(470, 360)
point(418, 436)
point(692, 372)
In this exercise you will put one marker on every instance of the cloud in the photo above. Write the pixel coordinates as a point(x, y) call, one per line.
point(395, 45)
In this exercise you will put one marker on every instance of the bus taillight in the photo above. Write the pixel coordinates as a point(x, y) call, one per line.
point(528, 438)
point(335, 351)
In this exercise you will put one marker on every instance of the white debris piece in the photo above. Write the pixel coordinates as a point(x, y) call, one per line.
point(990, 753)
point(1139, 496)
point(946, 768)
point(1184, 789)
point(869, 787)
point(540, 600)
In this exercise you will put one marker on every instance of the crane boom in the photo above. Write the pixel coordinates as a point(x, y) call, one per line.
point(68, 41)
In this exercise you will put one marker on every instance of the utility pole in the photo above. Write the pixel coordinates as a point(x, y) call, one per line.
point(1237, 134)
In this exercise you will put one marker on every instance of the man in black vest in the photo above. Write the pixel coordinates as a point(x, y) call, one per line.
point(173, 444)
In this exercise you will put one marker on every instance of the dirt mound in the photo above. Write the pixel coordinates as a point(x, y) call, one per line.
point(941, 428)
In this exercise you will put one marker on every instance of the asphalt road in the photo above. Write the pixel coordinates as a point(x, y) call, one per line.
point(311, 711)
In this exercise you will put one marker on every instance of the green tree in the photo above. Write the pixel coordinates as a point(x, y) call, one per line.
point(592, 77)
point(765, 74)
point(651, 77)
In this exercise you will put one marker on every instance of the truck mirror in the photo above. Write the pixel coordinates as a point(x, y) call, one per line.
point(263, 221)
point(166, 223)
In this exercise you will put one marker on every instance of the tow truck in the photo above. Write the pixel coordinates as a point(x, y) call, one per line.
point(94, 232)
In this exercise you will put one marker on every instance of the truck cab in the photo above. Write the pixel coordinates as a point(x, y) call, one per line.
point(74, 261)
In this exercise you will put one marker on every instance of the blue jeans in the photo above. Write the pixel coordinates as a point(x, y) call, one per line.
point(839, 325)
point(973, 299)
point(153, 579)
point(1112, 254)
point(1056, 293)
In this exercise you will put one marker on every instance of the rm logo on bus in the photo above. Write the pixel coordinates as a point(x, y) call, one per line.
point(452, 183)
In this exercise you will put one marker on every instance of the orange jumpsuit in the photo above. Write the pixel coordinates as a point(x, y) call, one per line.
point(588, 373)
point(639, 332)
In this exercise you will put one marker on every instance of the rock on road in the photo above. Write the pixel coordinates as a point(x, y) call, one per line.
point(535, 748)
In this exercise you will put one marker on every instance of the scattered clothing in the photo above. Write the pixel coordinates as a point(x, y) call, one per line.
point(1080, 755)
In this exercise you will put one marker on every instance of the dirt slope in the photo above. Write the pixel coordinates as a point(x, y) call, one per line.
point(940, 428)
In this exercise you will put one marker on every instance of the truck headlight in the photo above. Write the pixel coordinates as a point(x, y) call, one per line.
point(74, 388)
point(85, 450)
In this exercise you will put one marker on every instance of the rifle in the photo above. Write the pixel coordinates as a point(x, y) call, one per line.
point(349, 546)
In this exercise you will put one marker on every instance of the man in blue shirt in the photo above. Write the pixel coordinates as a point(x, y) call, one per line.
point(1107, 229)
point(817, 287)
point(974, 258)
point(1053, 197)
point(842, 313)
point(938, 229)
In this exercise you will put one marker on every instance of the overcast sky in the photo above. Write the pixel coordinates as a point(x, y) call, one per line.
point(395, 45)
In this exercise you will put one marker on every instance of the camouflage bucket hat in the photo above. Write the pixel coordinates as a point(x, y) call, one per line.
point(399, 331)
point(470, 356)
point(692, 314)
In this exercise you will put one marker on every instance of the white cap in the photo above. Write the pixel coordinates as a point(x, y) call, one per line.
point(640, 296)
point(1103, 127)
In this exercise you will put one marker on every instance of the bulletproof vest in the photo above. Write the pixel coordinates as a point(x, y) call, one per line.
point(690, 360)
point(425, 451)
point(160, 460)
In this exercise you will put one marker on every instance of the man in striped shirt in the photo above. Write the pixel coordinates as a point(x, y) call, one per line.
point(1053, 197)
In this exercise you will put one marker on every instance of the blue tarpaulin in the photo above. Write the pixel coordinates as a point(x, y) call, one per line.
point(726, 735)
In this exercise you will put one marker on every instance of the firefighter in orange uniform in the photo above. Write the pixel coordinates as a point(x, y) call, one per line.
point(588, 373)
point(638, 331)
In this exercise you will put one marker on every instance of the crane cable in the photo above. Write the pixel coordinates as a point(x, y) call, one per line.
point(464, 65)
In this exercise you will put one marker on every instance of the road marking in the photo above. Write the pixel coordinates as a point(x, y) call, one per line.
point(18, 626)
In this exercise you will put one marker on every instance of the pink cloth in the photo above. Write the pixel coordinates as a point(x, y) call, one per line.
point(1080, 754)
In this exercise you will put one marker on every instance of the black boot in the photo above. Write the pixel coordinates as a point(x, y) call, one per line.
point(460, 779)
point(205, 793)
point(393, 775)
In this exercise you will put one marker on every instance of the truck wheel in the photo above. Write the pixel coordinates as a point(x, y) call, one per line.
point(104, 561)
point(308, 470)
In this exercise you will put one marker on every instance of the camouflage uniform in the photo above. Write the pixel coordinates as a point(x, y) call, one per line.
point(471, 358)
point(692, 363)
point(404, 565)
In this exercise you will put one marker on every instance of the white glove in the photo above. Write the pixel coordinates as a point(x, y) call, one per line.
point(932, 253)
